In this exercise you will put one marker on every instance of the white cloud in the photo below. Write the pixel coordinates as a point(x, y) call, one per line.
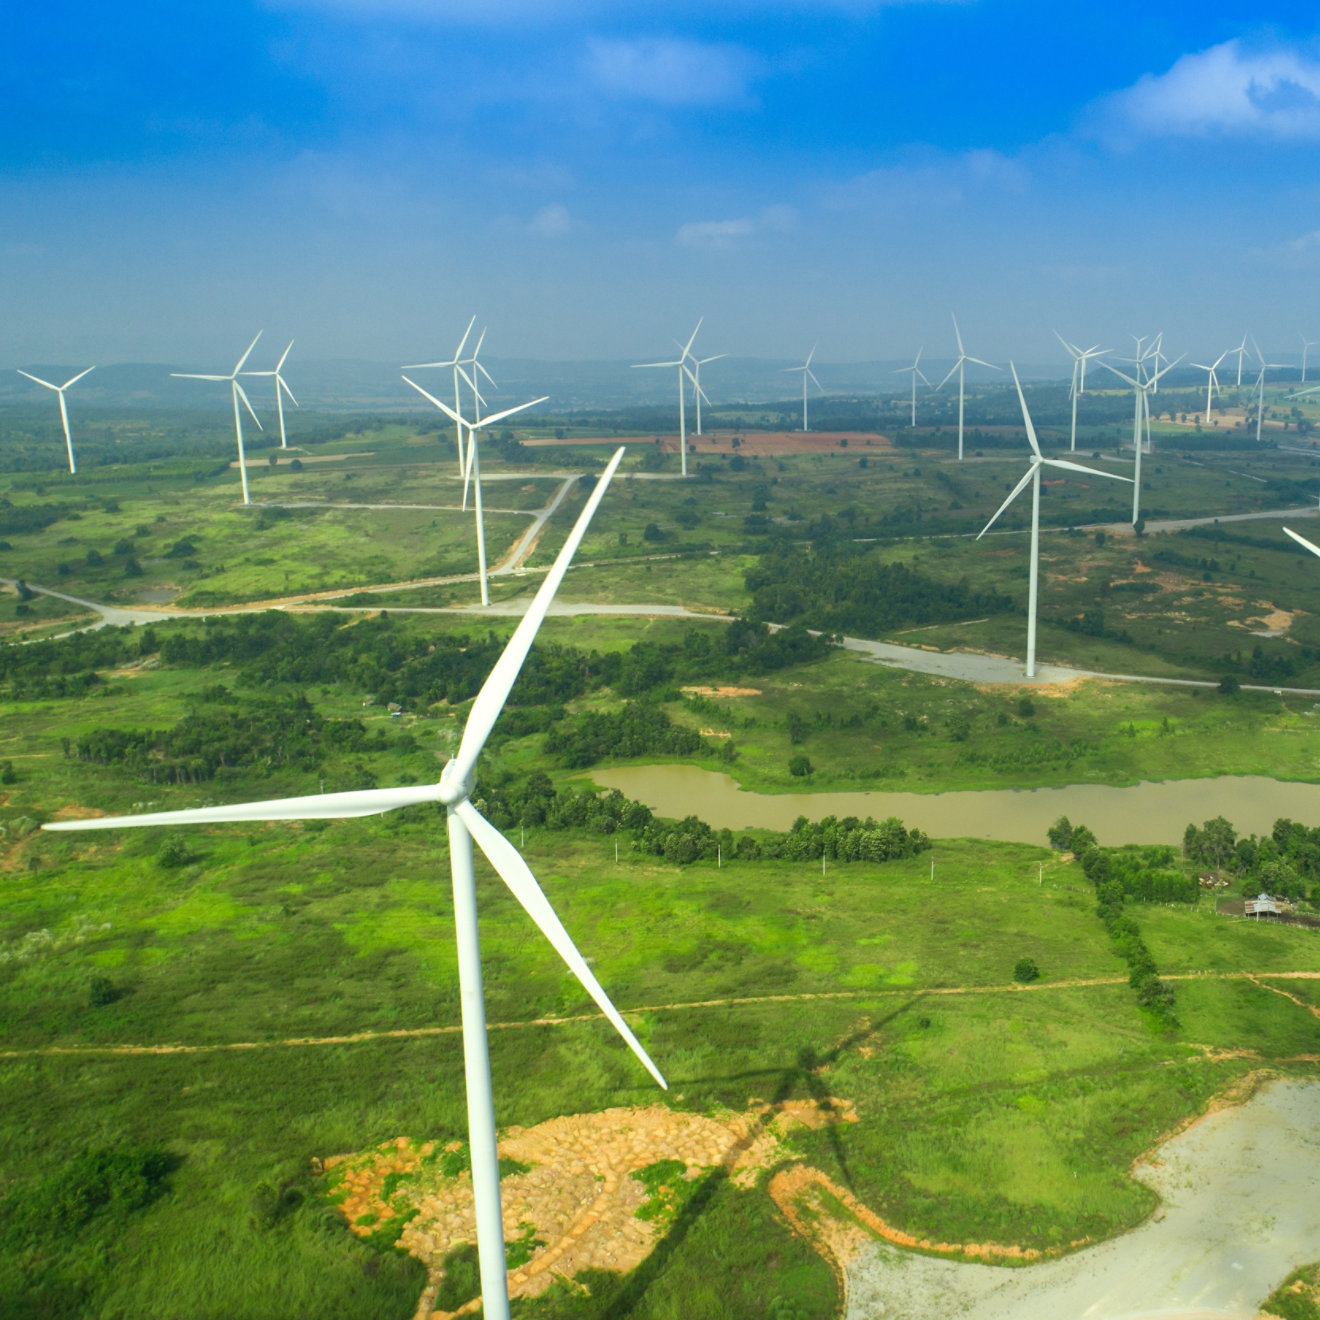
point(941, 182)
point(1226, 90)
point(551, 221)
point(725, 234)
point(671, 70)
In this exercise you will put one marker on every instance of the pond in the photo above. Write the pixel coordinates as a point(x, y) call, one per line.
point(1143, 813)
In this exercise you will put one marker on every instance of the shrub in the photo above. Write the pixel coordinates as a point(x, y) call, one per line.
point(800, 767)
point(1026, 971)
point(101, 991)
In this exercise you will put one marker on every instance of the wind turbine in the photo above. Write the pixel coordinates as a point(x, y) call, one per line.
point(237, 391)
point(64, 411)
point(807, 373)
point(694, 374)
point(1260, 386)
point(1140, 389)
point(958, 366)
point(1080, 357)
point(1302, 541)
point(1307, 345)
point(1212, 381)
point(1032, 477)
point(281, 389)
point(465, 824)
point(477, 371)
point(681, 364)
point(1241, 351)
point(456, 363)
point(473, 468)
point(916, 371)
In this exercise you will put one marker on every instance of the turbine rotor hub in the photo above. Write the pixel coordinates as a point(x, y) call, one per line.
point(453, 790)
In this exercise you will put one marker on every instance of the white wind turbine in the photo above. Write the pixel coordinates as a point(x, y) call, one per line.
point(64, 411)
point(1241, 351)
point(1141, 408)
point(807, 374)
point(1260, 386)
point(1080, 357)
point(1302, 541)
point(694, 374)
point(281, 389)
point(916, 371)
point(1307, 346)
point(1211, 382)
point(456, 362)
point(959, 367)
point(1032, 477)
point(465, 824)
point(682, 366)
point(473, 467)
point(237, 391)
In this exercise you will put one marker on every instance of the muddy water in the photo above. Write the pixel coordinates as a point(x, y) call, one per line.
point(1144, 813)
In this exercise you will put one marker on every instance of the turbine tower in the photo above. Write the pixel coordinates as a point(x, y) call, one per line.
point(1080, 357)
point(456, 363)
point(281, 389)
point(64, 411)
point(916, 371)
point(807, 373)
point(1241, 351)
point(958, 366)
point(682, 366)
point(473, 468)
point(465, 824)
point(1032, 478)
point(1307, 346)
point(1211, 382)
point(237, 391)
point(1141, 408)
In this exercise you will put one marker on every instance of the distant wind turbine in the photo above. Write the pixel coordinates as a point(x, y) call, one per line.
point(959, 367)
point(694, 374)
point(1212, 381)
point(682, 366)
point(465, 825)
point(456, 362)
point(1260, 386)
point(237, 391)
point(916, 371)
point(807, 374)
point(1032, 478)
point(1141, 409)
point(1080, 357)
point(281, 389)
point(1307, 345)
point(1241, 351)
point(64, 412)
point(473, 468)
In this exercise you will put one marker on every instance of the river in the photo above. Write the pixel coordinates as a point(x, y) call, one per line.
point(1156, 812)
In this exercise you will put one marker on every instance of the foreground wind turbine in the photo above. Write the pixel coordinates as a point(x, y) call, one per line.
point(1260, 386)
point(281, 389)
point(1080, 357)
point(682, 366)
point(1038, 461)
point(1302, 541)
point(64, 412)
point(465, 824)
point(916, 371)
point(1212, 381)
point(1141, 388)
point(807, 373)
point(473, 468)
point(456, 362)
point(237, 391)
point(958, 366)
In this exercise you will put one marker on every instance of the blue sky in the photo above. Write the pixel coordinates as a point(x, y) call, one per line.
point(589, 177)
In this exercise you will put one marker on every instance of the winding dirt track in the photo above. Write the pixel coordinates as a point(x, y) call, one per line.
point(416, 1033)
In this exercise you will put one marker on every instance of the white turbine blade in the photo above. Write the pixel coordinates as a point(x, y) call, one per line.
point(238, 389)
point(687, 348)
point(471, 454)
point(282, 384)
point(715, 357)
point(508, 412)
point(1309, 390)
point(814, 381)
point(979, 363)
point(1168, 366)
point(444, 407)
point(679, 363)
point(418, 366)
point(481, 339)
point(1301, 540)
point(1071, 348)
point(949, 377)
point(922, 375)
point(471, 384)
point(458, 352)
point(283, 355)
point(515, 873)
point(495, 691)
point(810, 355)
point(804, 368)
point(320, 806)
point(1122, 375)
point(957, 334)
point(1222, 356)
point(47, 383)
point(76, 378)
point(484, 372)
point(1026, 416)
point(244, 358)
point(182, 375)
point(1013, 494)
point(1077, 467)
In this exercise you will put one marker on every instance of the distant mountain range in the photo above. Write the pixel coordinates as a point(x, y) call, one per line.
point(351, 385)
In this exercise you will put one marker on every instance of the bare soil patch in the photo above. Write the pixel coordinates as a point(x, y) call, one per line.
point(723, 691)
point(754, 444)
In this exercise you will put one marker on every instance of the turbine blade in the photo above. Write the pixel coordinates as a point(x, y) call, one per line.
point(458, 352)
point(244, 358)
point(238, 389)
point(1077, 467)
point(1026, 416)
point(515, 873)
point(508, 412)
point(281, 384)
point(1122, 375)
point(688, 346)
point(814, 381)
point(949, 377)
point(957, 334)
point(77, 378)
point(495, 691)
point(979, 363)
point(320, 806)
point(714, 357)
point(484, 372)
point(47, 383)
point(1013, 494)
point(1071, 348)
point(279, 365)
point(1301, 540)
point(810, 355)
point(679, 363)
point(444, 407)
point(418, 366)
point(182, 375)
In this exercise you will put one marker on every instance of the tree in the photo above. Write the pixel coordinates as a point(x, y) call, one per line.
point(800, 767)
point(1060, 834)
point(1229, 686)
point(1026, 971)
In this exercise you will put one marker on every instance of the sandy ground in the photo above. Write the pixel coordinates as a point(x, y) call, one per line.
point(1240, 1210)
point(754, 444)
